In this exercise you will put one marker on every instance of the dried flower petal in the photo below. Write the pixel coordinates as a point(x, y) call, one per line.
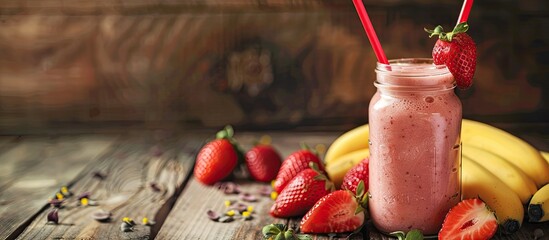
point(99, 175)
point(84, 195)
point(213, 215)
point(250, 209)
point(55, 202)
point(148, 222)
point(228, 203)
point(53, 216)
point(226, 219)
point(102, 215)
point(156, 151)
point(228, 187)
point(240, 207)
point(126, 227)
point(248, 197)
point(265, 191)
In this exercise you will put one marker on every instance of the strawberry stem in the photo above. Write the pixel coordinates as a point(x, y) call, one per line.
point(447, 36)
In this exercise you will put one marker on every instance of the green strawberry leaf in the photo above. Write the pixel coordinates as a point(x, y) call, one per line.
point(272, 230)
point(447, 36)
point(414, 235)
point(360, 189)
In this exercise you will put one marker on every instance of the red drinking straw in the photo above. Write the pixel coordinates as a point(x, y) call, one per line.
point(367, 24)
point(465, 10)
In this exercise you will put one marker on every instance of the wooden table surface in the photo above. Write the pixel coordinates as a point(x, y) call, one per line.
point(33, 168)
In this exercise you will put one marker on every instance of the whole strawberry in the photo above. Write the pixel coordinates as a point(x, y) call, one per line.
point(355, 175)
point(339, 211)
point(457, 51)
point(217, 159)
point(295, 163)
point(263, 163)
point(301, 193)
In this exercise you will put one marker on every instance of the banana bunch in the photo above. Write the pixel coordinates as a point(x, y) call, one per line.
point(538, 209)
point(477, 181)
point(505, 171)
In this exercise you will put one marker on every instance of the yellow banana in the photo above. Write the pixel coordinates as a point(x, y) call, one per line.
point(508, 173)
point(339, 167)
point(538, 209)
point(545, 155)
point(479, 182)
point(353, 140)
point(514, 149)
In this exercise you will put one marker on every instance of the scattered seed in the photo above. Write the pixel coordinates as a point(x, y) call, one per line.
point(148, 222)
point(274, 195)
point(128, 221)
point(247, 215)
point(213, 215)
point(240, 207)
point(65, 191)
point(225, 219)
point(102, 215)
point(55, 202)
point(126, 227)
point(53, 216)
point(84, 195)
point(247, 197)
point(59, 196)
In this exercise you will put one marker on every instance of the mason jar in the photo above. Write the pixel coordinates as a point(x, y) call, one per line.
point(415, 156)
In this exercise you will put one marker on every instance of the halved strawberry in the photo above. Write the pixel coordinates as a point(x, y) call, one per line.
point(295, 163)
point(458, 51)
point(355, 175)
point(337, 212)
point(301, 193)
point(469, 220)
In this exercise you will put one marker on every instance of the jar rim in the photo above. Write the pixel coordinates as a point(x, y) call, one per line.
point(412, 67)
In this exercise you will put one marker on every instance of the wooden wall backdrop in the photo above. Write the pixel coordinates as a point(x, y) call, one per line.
point(250, 63)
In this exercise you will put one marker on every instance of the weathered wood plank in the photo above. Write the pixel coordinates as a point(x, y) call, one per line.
point(188, 219)
point(130, 169)
point(33, 170)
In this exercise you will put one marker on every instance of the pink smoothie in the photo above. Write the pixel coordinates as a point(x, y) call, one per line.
point(415, 121)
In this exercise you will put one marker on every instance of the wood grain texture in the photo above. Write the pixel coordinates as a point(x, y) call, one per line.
point(130, 168)
point(33, 170)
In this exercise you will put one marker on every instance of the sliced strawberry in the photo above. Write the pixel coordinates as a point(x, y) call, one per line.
point(355, 175)
point(458, 51)
point(217, 159)
point(469, 220)
point(301, 194)
point(334, 213)
point(295, 163)
point(263, 163)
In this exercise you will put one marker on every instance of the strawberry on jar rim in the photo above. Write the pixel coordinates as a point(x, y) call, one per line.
point(217, 159)
point(458, 51)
